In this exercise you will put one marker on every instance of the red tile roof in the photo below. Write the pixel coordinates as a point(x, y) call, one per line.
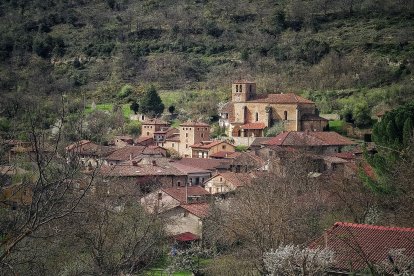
point(236, 179)
point(193, 124)
point(126, 153)
point(185, 237)
point(200, 210)
point(353, 242)
point(85, 147)
point(309, 138)
point(289, 98)
point(173, 138)
point(227, 108)
point(179, 193)
point(224, 154)
point(253, 126)
point(206, 163)
point(188, 169)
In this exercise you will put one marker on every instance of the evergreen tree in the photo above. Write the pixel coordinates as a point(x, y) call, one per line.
point(392, 136)
point(407, 131)
point(151, 103)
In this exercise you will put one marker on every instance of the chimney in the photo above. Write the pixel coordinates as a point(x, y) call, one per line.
point(154, 163)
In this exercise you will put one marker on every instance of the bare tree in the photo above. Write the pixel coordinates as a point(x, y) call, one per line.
point(54, 190)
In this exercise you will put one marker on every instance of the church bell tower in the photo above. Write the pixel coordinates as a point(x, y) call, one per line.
point(242, 91)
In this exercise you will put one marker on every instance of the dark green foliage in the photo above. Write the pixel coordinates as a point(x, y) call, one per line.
point(134, 107)
point(390, 131)
point(45, 46)
point(151, 103)
point(393, 135)
point(171, 109)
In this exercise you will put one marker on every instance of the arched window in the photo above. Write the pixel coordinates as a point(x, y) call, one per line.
point(237, 88)
point(240, 88)
point(285, 115)
point(257, 116)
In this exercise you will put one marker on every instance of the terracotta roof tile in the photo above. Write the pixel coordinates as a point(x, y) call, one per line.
point(179, 193)
point(200, 210)
point(126, 153)
point(309, 138)
point(227, 108)
point(185, 237)
point(289, 98)
point(188, 169)
point(243, 81)
point(353, 242)
point(236, 179)
point(206, 163)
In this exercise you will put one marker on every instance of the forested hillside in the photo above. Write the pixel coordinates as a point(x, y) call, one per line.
point(349, 56)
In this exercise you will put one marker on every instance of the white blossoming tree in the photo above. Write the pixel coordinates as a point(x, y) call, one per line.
point(296, 260)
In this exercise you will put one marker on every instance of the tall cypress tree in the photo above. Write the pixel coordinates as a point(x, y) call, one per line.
point(151, 103)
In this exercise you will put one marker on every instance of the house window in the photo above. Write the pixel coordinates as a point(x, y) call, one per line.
point(202, 135)
point(147, 133)
point(237, 88)
point(172, 145)
point(209, 190)
point(217, 190)
point(159, 196)
point(185, 214)
point(223, 147)
point(250, 89)
point(257, 116)
point(240, 88)
point(221, 179)
point(186, 146)
point(285, 115)
point(186, 135)
point(179, 183)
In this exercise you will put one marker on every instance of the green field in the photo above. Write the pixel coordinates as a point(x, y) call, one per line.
point(109, 107)
point(336, 125)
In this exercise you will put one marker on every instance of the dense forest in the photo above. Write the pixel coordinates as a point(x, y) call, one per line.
point(351, 57)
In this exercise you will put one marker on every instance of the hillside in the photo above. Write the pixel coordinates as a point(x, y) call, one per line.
point(348, 56)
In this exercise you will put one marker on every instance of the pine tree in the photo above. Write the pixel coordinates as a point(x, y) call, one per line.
point(151, 103)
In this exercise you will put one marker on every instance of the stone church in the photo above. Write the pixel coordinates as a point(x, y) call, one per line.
point(249, 114)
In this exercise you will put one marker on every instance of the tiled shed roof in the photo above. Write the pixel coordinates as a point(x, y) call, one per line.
point(352, 243)
point(289, 98)
point(309, 138)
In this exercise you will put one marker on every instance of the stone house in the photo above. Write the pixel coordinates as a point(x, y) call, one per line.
point(249, 114)
point(161, 135)
point(183, 208)
point(122, 141)
point(227, 182)
point(190, 133)
point(88, 153)
point(213, 165)
point(195, 176)
point(206, 148)
point(150, 126)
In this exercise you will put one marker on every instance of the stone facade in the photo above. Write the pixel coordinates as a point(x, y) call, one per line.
point(191, 133)
point(249, 114)
point(149, 127)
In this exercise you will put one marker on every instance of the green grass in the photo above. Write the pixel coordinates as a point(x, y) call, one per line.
point(336, 125)
point(109, 107)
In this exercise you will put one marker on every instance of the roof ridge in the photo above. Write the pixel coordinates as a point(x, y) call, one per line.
point(377, 227)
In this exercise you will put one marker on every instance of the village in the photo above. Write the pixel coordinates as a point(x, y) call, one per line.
point(179, 172)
